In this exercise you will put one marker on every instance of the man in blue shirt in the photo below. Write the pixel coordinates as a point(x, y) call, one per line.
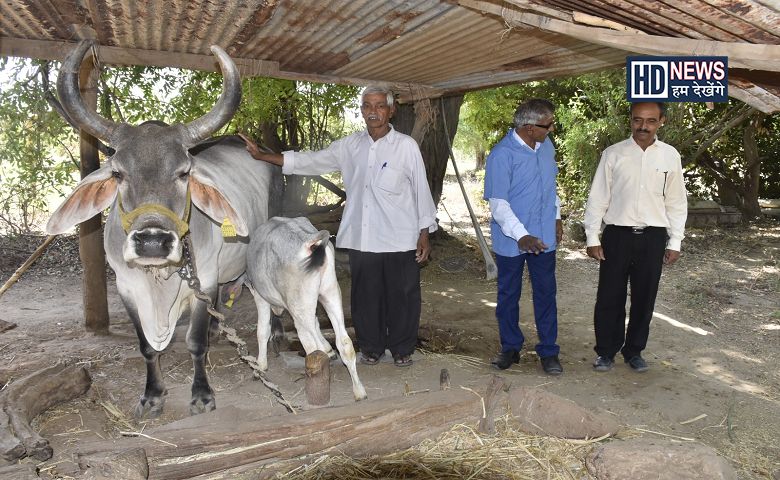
point(525, 228)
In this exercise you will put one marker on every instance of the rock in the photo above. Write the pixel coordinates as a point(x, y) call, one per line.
point(543, 413)
point(643, 459)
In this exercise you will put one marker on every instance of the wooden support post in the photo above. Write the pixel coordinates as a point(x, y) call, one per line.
point(317, 378)
point(487, 425)
point(93, 256)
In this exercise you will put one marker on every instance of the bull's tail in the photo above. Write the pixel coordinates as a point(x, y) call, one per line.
point(316, 247)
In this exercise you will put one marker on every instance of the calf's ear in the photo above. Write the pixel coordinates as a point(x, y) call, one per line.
point(207, 197)
point(316, 240)
point(91, 196)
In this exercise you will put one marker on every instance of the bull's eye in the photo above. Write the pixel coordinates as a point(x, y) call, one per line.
point(184, 175)
point(116, 174)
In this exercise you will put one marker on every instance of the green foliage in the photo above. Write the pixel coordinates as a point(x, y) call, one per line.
point(592, 113)
point(37, 148)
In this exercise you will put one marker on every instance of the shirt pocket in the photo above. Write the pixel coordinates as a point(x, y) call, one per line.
point(389, 180)
point(660, 181)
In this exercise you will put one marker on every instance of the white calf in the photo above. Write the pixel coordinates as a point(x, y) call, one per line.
point(290, 266)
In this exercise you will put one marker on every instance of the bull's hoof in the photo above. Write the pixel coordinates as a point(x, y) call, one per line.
point(202, 404)
point(149, 407)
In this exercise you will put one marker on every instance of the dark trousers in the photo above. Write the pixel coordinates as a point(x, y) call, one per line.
point(637, 258)
point(541, 268)
point(386, 301)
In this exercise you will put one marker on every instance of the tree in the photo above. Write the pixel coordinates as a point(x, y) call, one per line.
point(730, 152)
point(32, 137)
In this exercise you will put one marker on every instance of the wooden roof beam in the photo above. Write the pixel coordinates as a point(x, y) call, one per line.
point(741, 55)
point(57, 50)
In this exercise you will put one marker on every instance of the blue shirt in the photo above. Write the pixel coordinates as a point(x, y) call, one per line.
point(526, 180)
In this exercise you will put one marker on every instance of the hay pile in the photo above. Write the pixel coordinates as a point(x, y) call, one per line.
point(462, 453)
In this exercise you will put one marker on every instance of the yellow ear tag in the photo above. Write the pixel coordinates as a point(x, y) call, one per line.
point(228, 229)
point(229, 303)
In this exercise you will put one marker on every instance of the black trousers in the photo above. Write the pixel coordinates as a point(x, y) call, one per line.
point(637, 258)
point(386, 301)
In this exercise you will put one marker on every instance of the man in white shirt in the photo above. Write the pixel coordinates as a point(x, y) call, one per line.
point(639, 193)
point(387, 217)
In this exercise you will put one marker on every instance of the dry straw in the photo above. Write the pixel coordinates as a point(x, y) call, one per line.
point(462, 453)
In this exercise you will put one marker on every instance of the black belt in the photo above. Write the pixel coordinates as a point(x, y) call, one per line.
point(634, 230)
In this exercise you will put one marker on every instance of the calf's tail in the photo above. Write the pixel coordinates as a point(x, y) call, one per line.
point(316, 247)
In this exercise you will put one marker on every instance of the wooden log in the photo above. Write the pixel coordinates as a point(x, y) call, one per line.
point(486, 423)
point(130, 464)
point(229, 438)
point(30, 396)
point(317, 383)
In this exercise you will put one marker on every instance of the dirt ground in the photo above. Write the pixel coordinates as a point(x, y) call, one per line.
point(713, 345)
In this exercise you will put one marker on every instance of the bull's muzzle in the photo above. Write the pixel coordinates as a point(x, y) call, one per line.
point(152, 246)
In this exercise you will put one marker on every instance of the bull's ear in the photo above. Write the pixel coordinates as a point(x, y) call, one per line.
point(210, 201)
point(92, 195)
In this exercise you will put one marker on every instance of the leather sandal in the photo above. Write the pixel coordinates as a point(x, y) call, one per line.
point(402, 360)
point(370, 358)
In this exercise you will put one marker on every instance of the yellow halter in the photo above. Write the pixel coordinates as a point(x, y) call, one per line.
point(182, 224)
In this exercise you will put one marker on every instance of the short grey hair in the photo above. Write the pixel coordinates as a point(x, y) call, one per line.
point(373, 89)
point(533, 111)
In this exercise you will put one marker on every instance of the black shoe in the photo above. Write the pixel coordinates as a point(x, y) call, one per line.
point(637, 363)
point(603, 364)
point(551, 365)
point(505, 360)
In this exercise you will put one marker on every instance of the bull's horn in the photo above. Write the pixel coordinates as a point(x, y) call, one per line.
point(70, 97)
point(226, 106)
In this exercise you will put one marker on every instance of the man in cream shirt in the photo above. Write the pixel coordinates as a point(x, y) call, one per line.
point(638, 192)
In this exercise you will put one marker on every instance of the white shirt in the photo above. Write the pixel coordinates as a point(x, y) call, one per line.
point(502, 212)
point(388, 198)
point(635, 187)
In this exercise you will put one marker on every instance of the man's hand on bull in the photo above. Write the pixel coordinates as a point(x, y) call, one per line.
point(423, 247)
point(258, 154)
point(532, 244)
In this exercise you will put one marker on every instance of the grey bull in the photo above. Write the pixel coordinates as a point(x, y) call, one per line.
point(168, 205)
point(291, 266)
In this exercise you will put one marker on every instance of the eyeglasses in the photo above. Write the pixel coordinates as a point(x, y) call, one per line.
point(546, 127)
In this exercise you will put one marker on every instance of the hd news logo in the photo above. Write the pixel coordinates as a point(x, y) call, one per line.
point(677, 79)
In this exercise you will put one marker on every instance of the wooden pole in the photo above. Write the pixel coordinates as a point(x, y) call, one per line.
point(317, 378)
point(19, 271)
point(93, 256)
point(491, 271)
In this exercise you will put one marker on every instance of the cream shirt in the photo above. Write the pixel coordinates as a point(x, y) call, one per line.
point(388, 198)
point(640, 188)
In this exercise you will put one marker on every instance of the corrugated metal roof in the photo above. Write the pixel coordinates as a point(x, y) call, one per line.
point(430, 46)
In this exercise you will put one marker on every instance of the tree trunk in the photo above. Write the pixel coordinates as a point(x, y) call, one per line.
point(480, 160)
point(750, 206)
point(224, 439)
point(434, 145)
